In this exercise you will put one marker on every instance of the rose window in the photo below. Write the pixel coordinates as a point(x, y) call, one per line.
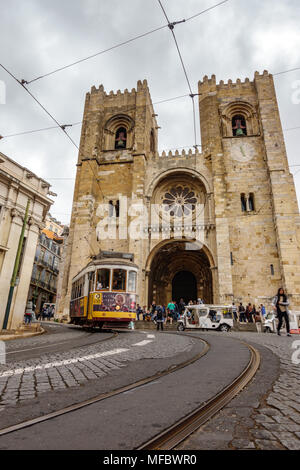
point(179, 200)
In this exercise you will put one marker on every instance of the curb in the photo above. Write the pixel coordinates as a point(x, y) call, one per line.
point(28, 335)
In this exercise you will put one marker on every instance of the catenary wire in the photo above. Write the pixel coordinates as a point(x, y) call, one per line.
point(192, 95)
point(96, 54)
point(53, 118)
point(80, 122)
point(122, 44)
point(205, 11)
point(41, 106)
point(287, 71)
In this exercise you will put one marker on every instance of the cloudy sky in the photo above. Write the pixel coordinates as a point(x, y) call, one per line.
point(231, 41)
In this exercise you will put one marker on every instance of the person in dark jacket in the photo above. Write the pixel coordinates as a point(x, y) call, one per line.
point(281, 303)
point(181, 306)
point(159, 317)
point(242, 314)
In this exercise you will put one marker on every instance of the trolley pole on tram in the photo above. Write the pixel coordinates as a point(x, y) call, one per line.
point(15, 271)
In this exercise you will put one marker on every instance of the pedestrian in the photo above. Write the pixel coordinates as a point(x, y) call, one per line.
point(234, 311)
point(153, 309)
point(262, 310)
point(181, 307)
point(253, 313)
point(159, 317)
point(248, 313)
point(44, 313)
point(28, 313)
point(280, 304)
point(48, 312)
point(242, 313)
point(144, 311)
point(138, 311)
point(176, 313)
point(170, 311)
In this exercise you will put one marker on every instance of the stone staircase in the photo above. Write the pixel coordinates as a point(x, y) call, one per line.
point(246, 327)
point(150, 325)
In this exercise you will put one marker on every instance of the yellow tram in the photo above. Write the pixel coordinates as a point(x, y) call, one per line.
point(104, 294)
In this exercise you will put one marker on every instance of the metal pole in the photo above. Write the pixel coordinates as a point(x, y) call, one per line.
point(16, 267)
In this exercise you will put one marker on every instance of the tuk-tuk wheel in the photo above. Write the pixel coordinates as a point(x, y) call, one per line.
point(224, 328)
point(180, 327)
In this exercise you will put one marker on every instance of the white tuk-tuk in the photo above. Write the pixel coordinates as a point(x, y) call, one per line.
point(207, 317)
point(270, 323)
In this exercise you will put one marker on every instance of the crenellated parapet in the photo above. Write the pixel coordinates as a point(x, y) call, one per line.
point(182, 154)
point(141, 86)
point(211, 83)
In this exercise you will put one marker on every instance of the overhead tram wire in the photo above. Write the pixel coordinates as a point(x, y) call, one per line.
point(41, 106)
point(205, 11)
point(192, 95)
point(128, 41)
point(286, 71)
point(96, 54)
point(62, 127)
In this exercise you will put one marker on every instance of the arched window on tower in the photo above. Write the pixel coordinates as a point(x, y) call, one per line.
point(152, 141)
point(239, 127)
point(110, 209)
point(243, 203)
point(251, 202)
point(121, 138)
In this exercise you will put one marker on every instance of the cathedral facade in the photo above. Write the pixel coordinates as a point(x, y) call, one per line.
point(221, 224)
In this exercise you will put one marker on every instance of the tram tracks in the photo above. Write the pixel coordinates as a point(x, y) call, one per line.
point(53, 345)
point(179, 431)
point(106, 395)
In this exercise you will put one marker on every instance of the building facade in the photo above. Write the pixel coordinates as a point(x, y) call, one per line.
point(44, 277)
point(17, 186)
point(241, 241)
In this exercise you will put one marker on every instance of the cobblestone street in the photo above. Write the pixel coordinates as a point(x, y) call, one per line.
point(24, 380)
point(271, 423)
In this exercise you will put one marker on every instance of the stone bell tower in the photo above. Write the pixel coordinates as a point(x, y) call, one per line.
point(256, 210)
point(119, 135)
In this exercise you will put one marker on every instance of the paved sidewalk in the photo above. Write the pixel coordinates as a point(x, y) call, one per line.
point(273, 421)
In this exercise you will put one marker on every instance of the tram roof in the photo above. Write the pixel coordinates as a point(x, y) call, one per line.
point(107, 262)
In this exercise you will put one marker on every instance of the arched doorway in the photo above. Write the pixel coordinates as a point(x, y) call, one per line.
point(184, 285)
point(180, 269)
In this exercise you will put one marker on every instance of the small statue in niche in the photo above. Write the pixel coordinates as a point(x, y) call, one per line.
point(120, 139)
point(238, 128)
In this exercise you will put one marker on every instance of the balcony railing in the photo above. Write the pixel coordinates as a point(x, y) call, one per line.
point(43, 285)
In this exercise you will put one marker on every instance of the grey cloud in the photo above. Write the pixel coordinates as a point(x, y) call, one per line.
point(38, 36)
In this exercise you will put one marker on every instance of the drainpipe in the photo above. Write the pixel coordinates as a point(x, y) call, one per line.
point(16, 267)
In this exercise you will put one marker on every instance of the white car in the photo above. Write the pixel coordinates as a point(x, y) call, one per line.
point(270, 323)
point(207, 317)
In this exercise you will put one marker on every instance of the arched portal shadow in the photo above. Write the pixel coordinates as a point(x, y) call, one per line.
point(184, 286)
point(177, 257)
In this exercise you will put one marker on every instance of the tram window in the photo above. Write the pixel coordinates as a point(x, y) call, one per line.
point(131, 281)
point(102, 279)
point(119, 279)
point(91, 281)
